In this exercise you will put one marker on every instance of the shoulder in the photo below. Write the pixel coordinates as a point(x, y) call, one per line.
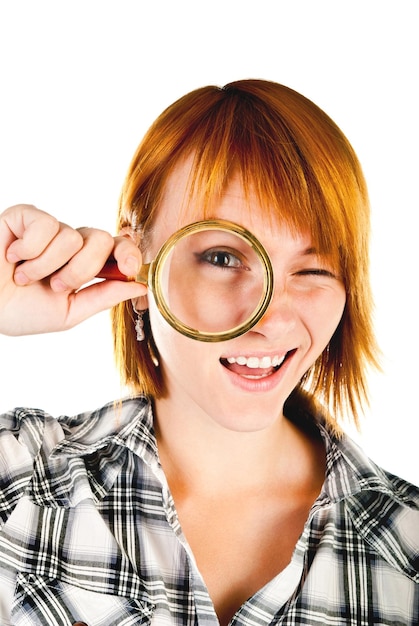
point(385, 512)
point(24, 435)
point(379, 509)
point(34, 430)
point(38, 450)
point(383, 508)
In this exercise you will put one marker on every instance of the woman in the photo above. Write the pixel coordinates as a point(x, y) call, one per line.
point(224, 490)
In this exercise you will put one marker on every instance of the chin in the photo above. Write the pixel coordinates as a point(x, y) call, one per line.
point(247, 421)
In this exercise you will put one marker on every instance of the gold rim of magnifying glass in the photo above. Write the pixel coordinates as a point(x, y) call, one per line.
point(155, 284)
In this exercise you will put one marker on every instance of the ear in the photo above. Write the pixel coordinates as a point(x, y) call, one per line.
point(130, 233)
point(140, 304)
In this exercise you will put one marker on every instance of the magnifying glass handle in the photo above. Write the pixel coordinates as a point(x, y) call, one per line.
point(110, 271)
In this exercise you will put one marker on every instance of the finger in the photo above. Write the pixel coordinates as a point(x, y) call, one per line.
point(127, 255)
point(29, 231)
point(82, 267)
point(66, 243)
point(100, 297)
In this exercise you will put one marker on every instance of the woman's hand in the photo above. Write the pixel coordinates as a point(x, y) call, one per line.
point(43, 265)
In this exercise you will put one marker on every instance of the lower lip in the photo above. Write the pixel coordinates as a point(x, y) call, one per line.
point(259, 385)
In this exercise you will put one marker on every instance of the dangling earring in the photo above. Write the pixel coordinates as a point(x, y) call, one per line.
point(139, 324)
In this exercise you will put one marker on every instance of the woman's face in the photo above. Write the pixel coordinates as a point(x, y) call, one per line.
point(241, 384)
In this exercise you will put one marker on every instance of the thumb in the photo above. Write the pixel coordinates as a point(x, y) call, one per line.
point(99, 297)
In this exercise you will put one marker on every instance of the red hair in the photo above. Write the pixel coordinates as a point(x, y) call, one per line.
point(303, 168)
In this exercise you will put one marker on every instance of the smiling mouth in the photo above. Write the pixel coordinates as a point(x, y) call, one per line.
point(254, 367)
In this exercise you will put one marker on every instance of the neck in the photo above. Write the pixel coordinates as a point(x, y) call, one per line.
point(201, 455)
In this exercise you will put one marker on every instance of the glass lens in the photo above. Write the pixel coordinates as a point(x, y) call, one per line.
point(212, 282)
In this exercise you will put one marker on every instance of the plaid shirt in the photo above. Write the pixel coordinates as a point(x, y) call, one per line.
point(89, 532)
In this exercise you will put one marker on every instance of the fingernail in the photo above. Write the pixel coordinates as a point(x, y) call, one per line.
point(132, 265)
point(58, 285)
point(21, 278)
point(12, 257)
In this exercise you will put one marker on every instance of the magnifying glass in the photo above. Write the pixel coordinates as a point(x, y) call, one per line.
point(211, 280)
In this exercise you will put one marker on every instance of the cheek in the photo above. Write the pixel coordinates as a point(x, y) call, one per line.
point(322, 314)
point(177, 353)
point(163, 334)
point(338, 305)
point(332, 314)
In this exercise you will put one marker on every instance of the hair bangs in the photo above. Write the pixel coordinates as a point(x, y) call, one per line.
point(290, 174)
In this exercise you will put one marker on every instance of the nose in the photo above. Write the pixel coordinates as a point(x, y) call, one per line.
point(280, 316)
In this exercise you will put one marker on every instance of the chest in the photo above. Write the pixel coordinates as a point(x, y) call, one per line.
point(241, 545)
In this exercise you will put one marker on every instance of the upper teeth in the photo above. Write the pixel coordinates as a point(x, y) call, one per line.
point(254, 362)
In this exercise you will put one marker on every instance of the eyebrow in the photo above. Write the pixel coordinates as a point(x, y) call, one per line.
point(310, 251)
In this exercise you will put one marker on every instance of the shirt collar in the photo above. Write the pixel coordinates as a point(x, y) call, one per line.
point(90, 455)
point(348, 469)
point(91, 451)
point(128, 425)
point(383, 508)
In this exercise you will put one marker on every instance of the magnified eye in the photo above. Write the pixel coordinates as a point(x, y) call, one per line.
point(224, 259)
point(212, 280)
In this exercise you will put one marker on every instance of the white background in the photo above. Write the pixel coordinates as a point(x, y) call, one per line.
point(80, 82)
